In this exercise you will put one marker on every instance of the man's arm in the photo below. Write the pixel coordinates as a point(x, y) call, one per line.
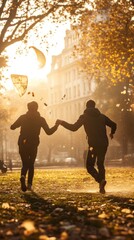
point(112, 125)
point(72, 127)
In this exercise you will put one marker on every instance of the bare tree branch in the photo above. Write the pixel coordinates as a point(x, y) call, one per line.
point(2, 7)
point(18, 18)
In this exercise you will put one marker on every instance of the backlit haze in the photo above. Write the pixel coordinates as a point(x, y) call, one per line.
point(24, 61)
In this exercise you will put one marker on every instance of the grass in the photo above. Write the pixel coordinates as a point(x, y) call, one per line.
point(66, 205)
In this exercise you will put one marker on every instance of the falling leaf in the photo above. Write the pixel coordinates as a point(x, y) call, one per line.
point(20, 82)
point(45, 104)
point(40, 56)
point(63, 96)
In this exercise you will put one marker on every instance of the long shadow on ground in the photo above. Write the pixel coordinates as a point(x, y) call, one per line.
point(83, 216)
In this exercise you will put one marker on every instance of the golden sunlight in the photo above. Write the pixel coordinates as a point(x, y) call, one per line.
point(27, 65)
point(27, 62)
point(23, 64)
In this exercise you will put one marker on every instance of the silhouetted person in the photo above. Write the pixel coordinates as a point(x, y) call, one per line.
point(30, 125)
point(94, 124)
point(3, 167)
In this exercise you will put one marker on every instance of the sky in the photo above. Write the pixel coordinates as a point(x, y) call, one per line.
point(25, 62)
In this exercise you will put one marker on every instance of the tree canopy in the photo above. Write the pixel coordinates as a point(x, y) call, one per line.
point(107, 40)
point(106, 50)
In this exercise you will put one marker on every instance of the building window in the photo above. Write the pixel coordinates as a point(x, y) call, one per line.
point(74, 74)
point(69, 76)
point(84, 88)
point(78, 90)
point(69, 93)
point(74, 90)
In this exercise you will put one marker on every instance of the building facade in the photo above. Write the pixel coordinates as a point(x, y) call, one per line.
point(68, 92)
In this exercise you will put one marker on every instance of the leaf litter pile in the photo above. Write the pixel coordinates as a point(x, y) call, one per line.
point(65, 205)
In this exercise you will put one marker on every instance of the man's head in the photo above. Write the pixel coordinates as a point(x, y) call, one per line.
point(32, 106)
point(90, 104)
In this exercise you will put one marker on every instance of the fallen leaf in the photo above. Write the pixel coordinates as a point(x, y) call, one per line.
point(125, 210)
point(103, 215)
point(5, 205)
point(64, 236)
point(28, 224)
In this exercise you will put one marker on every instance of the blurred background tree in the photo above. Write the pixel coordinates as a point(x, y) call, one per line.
point(106, 50)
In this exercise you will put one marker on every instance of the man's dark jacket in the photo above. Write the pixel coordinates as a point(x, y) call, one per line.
point(31, 124)
point(94, 124)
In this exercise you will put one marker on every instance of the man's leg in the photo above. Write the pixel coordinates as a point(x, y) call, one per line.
point(101, 152)
point(90, 163)
point(33, 154)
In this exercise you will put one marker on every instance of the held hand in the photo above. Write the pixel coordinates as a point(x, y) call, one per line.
point(111, 135)
point(58, 122)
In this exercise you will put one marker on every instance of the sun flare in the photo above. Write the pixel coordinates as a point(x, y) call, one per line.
point(23, 58)
point(24, 64)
